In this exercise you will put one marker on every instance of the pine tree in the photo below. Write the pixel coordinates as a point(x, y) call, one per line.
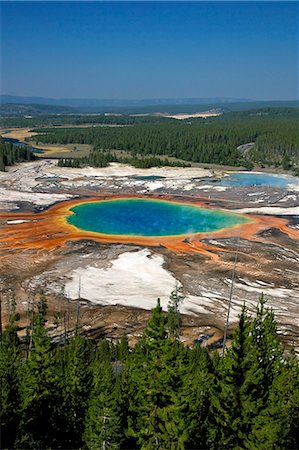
point(245, 379)
point(230, 397)
point(173, 316)
point(103, 425)
point(193, 403)
point(10, 359)
point(155, 333)
point(75, 387)
point(122, 348)
point(156, 377)
point(38, 389)
point(277, 425)
point(267, 346)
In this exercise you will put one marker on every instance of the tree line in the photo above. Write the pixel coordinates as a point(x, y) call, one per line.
point(78, 119)
point(103, 159)
point(79, 393)
point(11, 154)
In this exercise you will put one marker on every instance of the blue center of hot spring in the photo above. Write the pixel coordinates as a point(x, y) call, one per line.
point(142, 217)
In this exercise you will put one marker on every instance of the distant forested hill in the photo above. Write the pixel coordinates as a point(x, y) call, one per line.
point(11, 106)
point(21, 110)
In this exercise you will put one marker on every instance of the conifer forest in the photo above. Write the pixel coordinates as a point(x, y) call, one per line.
point(273, 135)
point(10, 154)
point(79, 393)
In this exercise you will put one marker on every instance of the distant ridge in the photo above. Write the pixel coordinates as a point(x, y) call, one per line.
point(18, 106)
point(82, 102)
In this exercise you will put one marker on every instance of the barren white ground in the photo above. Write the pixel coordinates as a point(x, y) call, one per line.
point(139, 278)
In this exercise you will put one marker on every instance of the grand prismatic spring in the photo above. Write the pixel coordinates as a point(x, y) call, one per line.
point(142, 217)
point(178, 226)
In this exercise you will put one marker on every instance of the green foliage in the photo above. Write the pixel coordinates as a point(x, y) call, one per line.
point(69, 162)
point(10, 358)
point(277, 425)
point(156, 379)
point(103, 159)
point(10, 154)
point(194, 400)
point(150, 161)
point(286, 162)
point(75, 385)
point(158, 395)
point(45, 118)
point(103, 425)
point(245, 378)
point(38, 389)
point(231, 400)
point(155, 333)
point(122, 348)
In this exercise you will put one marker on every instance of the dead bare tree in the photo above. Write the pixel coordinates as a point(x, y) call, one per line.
point(230, 296)
point(78, 304)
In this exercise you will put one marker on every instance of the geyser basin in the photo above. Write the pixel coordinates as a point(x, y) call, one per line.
point(144, 217)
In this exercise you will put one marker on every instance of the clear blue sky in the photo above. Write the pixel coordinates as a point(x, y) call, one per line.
point(150, 49)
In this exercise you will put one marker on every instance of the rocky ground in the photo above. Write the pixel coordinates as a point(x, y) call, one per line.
point(119, 283)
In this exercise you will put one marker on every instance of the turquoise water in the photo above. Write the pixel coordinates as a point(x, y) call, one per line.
point(147, 177)
point(139, 217)
point(259, 179)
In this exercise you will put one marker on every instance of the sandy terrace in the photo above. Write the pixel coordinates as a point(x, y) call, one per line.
point(189, 116)
point(18, 133)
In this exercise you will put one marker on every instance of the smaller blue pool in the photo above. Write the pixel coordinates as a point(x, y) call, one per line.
point(147, 177)
point(244, 179)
